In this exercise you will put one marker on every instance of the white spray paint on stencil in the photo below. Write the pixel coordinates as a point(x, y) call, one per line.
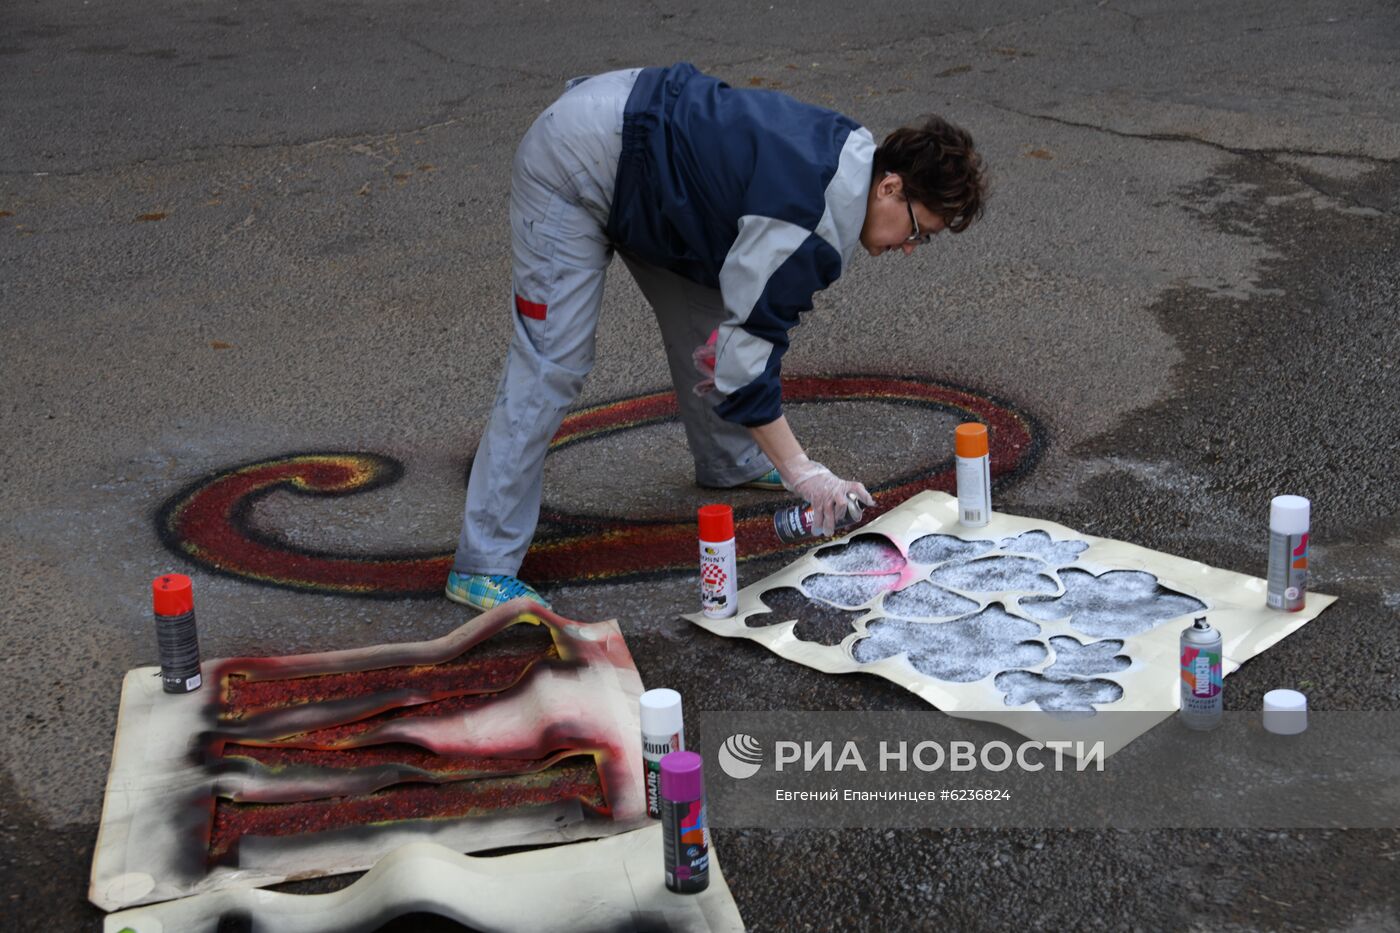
point(926, 601)
point(1073, 659)
point(962, 651)
point(1041, 545)
point(863, 554)
point(845, 591)
point(1116, 604)
point(936, 549)
point(996, 574)
point(1112, 606)
point(1054, 694)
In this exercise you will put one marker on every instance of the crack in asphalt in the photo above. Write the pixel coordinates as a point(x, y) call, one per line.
point(988, 30)
point(424, 47)
point(1270, 155)
point(448, 59)
point(1188, 138)
point(212, 153)
point(1135, 30)
point(675, 24)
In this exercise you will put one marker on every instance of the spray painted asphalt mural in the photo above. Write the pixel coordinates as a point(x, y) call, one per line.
point(208, 522)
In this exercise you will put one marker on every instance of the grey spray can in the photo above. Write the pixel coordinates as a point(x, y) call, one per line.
point(1202, 676)
point(1288, 553)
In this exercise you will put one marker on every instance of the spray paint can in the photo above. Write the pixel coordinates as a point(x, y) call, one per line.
point(685, 833)
point(173, 598)
point(1288, 552)
point(719, 575)
point(663, 732)
point(1202, 676)
point(974, 469)
point(794, 523)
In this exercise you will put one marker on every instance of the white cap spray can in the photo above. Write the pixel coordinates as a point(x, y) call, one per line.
point(1288, 552)
point(663, 732)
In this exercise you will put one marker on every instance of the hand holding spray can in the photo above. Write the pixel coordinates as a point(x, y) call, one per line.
point(719, 574)
point(794, 523)
point(1202, 677)
point(1288, 552)
point(974, 468)
point(663, 732)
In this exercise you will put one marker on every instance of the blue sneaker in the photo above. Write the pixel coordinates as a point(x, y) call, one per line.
point(772, 480)
point(487, 592)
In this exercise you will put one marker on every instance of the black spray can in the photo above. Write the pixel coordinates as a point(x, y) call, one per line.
point(173, 596)
point(685, 832)
point(794, 523)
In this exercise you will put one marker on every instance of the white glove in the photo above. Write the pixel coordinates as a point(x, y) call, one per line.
point(830, 496)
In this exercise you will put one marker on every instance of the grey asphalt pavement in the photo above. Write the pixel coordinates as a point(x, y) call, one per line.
point(235, 231)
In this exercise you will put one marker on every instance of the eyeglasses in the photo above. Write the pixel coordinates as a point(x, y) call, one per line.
point(917, 237)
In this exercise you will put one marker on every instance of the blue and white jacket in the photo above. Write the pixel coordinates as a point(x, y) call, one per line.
point(747, 191)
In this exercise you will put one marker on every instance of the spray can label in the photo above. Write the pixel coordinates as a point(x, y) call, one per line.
point(719, 586)
point(178, 644)
point(1288, 571)
point(654, 748)
point(686, 839)
point(794, 523)
point(1202, 682)
point(974, 490)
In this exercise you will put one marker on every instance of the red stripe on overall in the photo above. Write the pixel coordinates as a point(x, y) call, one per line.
point(530, 309)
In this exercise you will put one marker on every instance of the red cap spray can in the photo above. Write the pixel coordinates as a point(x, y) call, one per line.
point(173, 598)
point(719, 574)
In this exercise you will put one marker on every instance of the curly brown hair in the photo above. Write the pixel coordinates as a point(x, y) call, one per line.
point(939, 168)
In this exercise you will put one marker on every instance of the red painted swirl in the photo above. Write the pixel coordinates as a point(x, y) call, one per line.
point(209, 523)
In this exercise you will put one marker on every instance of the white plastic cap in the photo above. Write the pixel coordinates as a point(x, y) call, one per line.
point(661, 712)
point(1288, 515)
point(1285, 712)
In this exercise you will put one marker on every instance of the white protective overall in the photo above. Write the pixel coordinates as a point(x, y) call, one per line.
point(561, 193)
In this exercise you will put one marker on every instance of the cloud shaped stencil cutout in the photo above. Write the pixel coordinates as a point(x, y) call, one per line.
point(995, 575)
point(1117, 604)
point(962, 651)
point(1040, 544)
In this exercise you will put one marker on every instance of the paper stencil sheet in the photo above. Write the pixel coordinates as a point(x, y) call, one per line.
point(616, 883)
point(1008, 622)
point(518, 728)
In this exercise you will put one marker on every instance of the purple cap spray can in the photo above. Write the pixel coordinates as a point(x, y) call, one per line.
point(684, 831)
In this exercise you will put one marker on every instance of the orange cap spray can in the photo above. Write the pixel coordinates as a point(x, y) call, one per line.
point(974, 469)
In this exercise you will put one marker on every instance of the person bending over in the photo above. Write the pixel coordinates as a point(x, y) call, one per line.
point(731, 208)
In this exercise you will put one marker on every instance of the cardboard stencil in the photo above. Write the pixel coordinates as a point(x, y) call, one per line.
point(615, 883)
point(1009, 622)
point(518, 728)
